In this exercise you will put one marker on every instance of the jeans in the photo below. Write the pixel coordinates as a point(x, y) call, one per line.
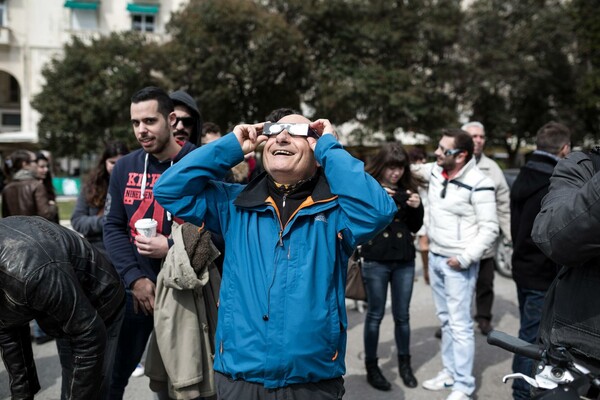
point(133, 338)
point(400, 276)
point(484, 297)
point(66, 358)
point(531, 303)
point(38, 333)
point(453, 297)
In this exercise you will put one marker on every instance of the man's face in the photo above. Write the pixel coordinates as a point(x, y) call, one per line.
point(151, 129)
point(289, 159)
point(184, 123)
point(447, 162)
point(478, 136)
point(32, 165)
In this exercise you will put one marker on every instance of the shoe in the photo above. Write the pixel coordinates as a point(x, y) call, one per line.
point(375, 377)
point(440, 382)
point(406, 372)
point(138, 371)
point(438, 333)
point(43, 339)
point(458, 395)
point(485, 326)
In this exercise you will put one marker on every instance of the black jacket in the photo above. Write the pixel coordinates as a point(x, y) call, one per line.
point(531, 268)
point(396, 242)
point(49, 273)
point(566, 230)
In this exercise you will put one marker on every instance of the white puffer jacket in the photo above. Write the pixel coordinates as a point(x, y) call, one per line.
point(463, 223)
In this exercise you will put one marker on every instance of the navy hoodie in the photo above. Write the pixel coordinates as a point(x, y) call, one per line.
point(124, 206)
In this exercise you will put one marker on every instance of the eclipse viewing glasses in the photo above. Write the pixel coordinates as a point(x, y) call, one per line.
point(300, 129)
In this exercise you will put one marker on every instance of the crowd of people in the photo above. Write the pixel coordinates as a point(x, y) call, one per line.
point(266, 243)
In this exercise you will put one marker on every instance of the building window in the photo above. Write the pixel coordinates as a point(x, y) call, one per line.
point(2, 12)
point(143, 16)
point(84, 15)
point(83, 20)
point(11, 119)
point(143, 22)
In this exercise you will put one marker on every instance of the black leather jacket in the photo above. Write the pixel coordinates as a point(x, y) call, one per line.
point(49, 273)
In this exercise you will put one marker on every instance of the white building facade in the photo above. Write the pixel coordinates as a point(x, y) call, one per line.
point(34, 31)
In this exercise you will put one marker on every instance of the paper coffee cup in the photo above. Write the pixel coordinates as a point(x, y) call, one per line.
point(146, 227)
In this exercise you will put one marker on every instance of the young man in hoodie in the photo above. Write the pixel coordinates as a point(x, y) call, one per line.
point(188, 119)
point(130, 198)
point(533, 272)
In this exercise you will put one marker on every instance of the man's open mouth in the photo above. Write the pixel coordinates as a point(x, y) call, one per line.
point(282, 153)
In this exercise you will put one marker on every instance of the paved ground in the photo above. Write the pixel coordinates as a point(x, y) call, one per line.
point(490, 363)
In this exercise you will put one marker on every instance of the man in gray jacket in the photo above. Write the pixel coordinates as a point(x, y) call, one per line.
point(461, 225)
point(484, 291)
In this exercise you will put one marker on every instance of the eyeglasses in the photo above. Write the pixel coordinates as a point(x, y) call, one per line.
point(300, 129)
point(187, 122)
point(452, 152)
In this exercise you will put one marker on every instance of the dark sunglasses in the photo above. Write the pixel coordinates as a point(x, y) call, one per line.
point(270, 129)
point(452, 152)
point(187, 122)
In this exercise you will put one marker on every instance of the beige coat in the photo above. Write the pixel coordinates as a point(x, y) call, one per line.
point(180, 353)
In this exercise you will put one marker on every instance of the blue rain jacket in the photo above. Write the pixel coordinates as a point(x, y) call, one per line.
point(282, 315)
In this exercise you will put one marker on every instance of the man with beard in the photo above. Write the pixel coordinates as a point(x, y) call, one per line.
point(188, 119)
point(130, 198)
point(461, 225)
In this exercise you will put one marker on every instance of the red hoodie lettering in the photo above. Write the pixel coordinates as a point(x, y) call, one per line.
point(133, 190)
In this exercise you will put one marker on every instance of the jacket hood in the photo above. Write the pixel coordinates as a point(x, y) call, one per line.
point(529, 181)
point(180, 97)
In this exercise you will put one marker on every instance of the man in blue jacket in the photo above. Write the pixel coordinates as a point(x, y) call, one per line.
point(135, 257)
point(289, 233)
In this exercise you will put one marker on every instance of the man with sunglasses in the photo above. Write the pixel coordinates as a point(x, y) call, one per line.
point(187, 126)
point(461, 224)
point(282, 322)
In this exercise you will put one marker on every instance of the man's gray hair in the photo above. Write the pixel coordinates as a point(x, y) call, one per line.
point(476, 124)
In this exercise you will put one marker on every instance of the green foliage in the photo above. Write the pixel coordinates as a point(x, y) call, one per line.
point(416, 64)
point(238, 59)
point(519, 75)
point(85, 100)
point(586, 21)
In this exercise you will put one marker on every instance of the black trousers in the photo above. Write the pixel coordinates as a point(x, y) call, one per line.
point(484, 290)
point(229, 389)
